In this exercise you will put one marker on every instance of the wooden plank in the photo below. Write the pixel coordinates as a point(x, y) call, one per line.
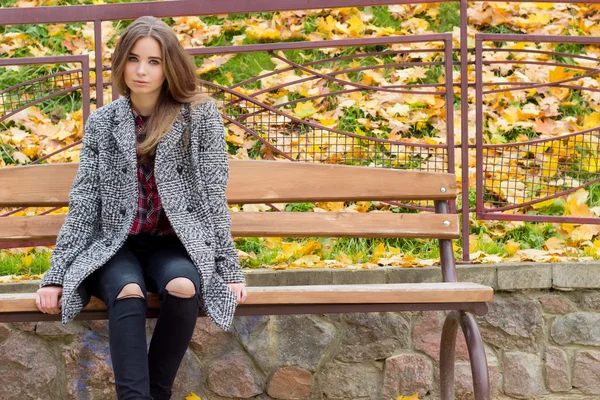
point(281, 224)
point(332, 224)
point(31, 227)
point(37, 185)
point(252, 181)
point(283, 182)
point(463, 292)
point(397, 293)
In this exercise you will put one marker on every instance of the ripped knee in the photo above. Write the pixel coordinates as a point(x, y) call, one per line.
point(130, 290)
point(181, 287)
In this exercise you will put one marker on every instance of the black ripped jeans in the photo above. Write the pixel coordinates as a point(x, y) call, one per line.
point(150, 262)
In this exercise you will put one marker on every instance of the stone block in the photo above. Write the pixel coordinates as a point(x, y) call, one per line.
point(586, 371)
point(577, 328)
point(262, 277)
point(275, 342)
point(586, 300)
point(372, 336)
point(208, 340)
point(576, 275)
point(524, 276)
point(4, 330)
point(513, 322)
point(557, 370)
point(556, 304)
point(350, 381)
point(89, 368)
point(523, 375)
point(463, 379)
point(28, 368)
point(350, 277)
point(427, 334)
point(482, 274)
point(290, 383)
point(56, 328)
point(20, 287)
point(306, 277)
point(407, 374)
point(234, 376)
point(414, 275)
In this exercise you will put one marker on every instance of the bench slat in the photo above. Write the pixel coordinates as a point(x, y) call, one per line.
point(396, 293)
point(253, 181)
point(280, 224)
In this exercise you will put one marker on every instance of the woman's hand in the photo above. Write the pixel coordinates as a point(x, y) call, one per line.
point(49, 299)
point(240, 291)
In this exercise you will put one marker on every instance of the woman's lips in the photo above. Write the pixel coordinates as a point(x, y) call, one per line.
point(140, 83)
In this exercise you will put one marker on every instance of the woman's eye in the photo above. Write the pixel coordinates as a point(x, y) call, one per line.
point(154, 61)
point(132, 59)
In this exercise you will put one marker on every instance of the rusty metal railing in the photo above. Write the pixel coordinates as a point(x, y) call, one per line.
point(279, 130)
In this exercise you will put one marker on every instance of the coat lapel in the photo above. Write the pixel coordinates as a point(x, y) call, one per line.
point(168, 142)
point(124, 132)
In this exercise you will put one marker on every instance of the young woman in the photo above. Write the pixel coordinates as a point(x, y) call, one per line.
point(147, 212)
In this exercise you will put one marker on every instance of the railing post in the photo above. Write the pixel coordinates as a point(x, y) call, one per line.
point(464, 127)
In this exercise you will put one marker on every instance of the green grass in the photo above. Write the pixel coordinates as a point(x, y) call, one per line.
point(6, 153)
point(449, 17)
point(383, 18)
point(579, 108)
point(311, 24)
point(242, 66)
point(517, 131)
point(531, 235)
point(501, 29)
point(333, 247)
point(13, 264)
point(571, 48)
point(594, 194)
point(299, 207)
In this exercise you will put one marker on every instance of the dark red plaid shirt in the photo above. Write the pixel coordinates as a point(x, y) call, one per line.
point(150, 217)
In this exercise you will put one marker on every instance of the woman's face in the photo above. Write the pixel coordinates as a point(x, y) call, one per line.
point(144, 72)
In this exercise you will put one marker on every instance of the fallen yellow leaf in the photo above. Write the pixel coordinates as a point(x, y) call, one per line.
point(304, 109)
point(412, 397)
point(512, 247)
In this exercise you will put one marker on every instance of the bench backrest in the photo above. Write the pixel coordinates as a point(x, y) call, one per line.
point(260, 182)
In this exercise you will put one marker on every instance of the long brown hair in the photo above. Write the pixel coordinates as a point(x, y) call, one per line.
point(180, 86)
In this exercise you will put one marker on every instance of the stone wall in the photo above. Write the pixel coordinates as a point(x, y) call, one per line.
point(542, 337)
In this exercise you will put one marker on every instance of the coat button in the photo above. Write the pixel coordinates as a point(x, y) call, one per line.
point(179, 169)
point(107, 242)
point(124, 169)
point(219, 258)
point(208, 243)
point(123, 211)
point(190, 208)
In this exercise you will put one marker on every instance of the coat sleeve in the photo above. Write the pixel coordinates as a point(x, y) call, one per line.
point(83, 216)
point(215, 172)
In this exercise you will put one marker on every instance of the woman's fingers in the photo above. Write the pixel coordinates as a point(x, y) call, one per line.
point(239, 290)
point(54, 303)
point(43, 302)
point(48, 303)
point(38, 303)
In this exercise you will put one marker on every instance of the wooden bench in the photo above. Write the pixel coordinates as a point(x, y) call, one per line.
point(283, 182)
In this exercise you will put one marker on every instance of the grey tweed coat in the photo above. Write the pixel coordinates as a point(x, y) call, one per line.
point(191, 176)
